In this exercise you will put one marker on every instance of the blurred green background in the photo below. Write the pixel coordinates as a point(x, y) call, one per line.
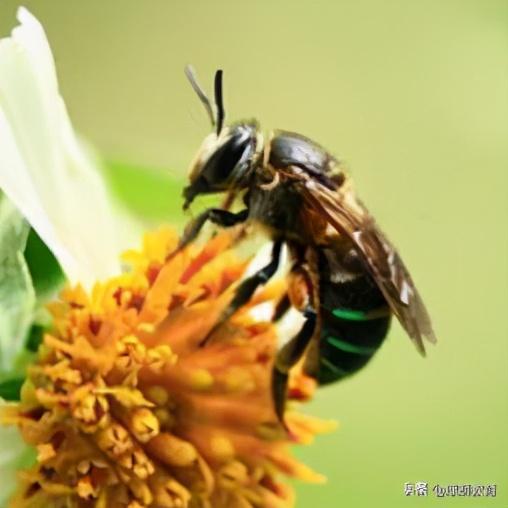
point(413, 96)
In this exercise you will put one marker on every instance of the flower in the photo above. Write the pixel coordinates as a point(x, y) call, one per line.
point(124, 405)
point(50, 183)
point(127, 408)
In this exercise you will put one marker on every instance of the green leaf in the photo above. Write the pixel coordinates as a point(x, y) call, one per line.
point(11, 388)
point(47, 276)
point(17, 295)
point(35, 337)
point(152, 194)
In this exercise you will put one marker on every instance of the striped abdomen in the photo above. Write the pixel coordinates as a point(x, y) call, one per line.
point(354, 319)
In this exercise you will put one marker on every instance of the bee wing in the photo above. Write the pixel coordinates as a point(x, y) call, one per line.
point(349, 217)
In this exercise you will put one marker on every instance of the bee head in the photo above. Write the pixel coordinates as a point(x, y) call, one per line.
point(226, 157)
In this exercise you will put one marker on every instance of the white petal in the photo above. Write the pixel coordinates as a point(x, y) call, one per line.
point(43, 169)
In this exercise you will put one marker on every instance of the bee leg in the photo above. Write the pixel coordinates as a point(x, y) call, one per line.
point(283, 305)
point(288, 357)
point(218, 216)
point(248, 286)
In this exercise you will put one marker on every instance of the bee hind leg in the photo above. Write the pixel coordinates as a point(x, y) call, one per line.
point(288, 357)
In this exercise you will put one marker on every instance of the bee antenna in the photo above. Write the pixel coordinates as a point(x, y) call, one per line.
point(218, 101)
point(191, 76)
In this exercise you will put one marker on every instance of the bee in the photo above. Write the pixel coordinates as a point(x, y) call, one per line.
point(346, 278)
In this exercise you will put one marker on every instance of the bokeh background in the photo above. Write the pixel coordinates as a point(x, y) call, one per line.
point(413, 96)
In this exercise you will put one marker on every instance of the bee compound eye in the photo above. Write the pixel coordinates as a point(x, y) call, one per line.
point(221, 166)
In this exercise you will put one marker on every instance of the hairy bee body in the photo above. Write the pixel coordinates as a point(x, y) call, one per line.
point(349, 279)
point(353, 314)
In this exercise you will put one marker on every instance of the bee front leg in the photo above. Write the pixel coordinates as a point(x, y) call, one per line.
point(248, 286)
point(218, 216)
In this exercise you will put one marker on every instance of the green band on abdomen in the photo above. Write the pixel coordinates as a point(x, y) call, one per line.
point(350, 348)
point(333, 368)
point(358, 315)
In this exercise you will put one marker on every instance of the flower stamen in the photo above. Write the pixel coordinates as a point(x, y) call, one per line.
point(126, 409)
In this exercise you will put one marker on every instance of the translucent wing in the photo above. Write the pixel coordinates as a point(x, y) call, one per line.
point(349, 217)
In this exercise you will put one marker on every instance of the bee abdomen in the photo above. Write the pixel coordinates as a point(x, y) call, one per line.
point(349, 339)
